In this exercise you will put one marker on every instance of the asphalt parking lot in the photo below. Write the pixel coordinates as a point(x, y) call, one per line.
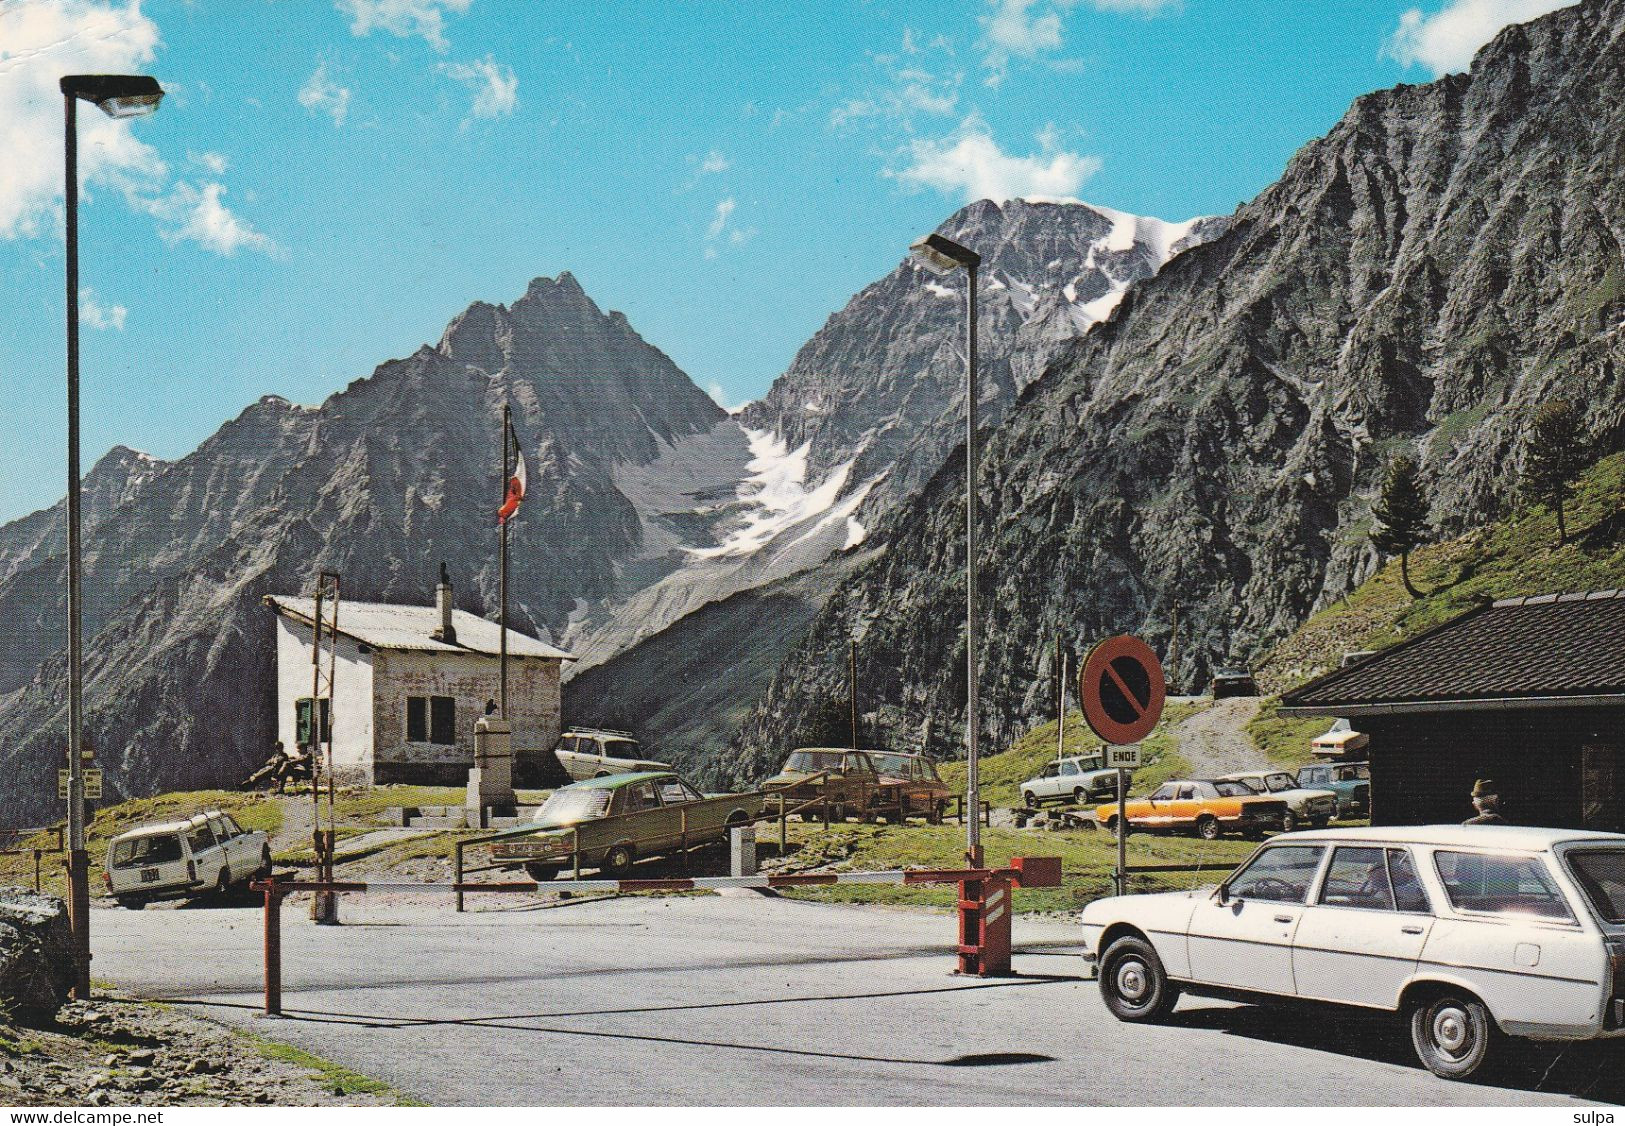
point(740, 999)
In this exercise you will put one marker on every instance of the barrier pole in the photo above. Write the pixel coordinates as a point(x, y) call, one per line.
point(683, 832)
point(36, 872)
point(784, 829)
point(457, 871)
point(273, 949)
point(575, 843)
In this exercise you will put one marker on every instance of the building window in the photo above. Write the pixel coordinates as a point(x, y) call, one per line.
point(431, 719)
point(301, 721)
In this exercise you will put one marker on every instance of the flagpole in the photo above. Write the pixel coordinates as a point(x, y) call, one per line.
point(507, 472)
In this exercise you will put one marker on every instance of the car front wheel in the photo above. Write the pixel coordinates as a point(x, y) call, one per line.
point(1289, 821)
point(542, 873)
point(1453, 1035)
point(1133, 983)
point(131, 902)
point(617, 861)
point(1030, 799)
point(1209, 829)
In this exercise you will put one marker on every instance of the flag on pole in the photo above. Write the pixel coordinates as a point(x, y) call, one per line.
point(515, 491)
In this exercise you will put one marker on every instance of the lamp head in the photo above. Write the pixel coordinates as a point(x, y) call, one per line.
point(943, 255)
point(117, 95)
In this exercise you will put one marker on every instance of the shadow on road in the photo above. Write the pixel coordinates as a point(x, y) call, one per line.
point(1585, 1070)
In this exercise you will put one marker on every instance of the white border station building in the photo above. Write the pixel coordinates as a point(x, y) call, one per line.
point(410, 683)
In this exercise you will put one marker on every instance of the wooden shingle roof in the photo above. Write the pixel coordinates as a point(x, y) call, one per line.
point(1550, 650)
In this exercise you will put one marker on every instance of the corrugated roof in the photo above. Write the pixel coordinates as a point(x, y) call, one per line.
point(385, 625)
point(1545, 647)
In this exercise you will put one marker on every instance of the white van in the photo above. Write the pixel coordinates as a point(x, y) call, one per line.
point(207, 852)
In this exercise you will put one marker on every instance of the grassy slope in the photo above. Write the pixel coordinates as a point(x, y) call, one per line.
point(1511, 557)
point(1284, 738)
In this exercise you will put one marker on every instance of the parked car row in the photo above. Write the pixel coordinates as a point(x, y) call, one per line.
point(845, 782)
point(1470, 933)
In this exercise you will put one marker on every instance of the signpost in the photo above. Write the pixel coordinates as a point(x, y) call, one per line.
point(93, 784)
point(1122, 690)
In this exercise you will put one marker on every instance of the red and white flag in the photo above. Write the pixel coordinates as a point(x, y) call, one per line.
point(515, 491)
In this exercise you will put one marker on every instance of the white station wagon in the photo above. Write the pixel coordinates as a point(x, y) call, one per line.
point(1471, 932)
point(206, 852)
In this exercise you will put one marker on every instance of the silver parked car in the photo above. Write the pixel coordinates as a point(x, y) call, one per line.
point(1078, 780)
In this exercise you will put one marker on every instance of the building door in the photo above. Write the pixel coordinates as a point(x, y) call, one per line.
point(1599, 788)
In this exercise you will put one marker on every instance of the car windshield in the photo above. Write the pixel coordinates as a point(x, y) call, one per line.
point(1279, 783)
point(891, 764)
point(1601, 873)
point(620, 748)
point(1253, 784)
point(1500, 885)
point(136, 851)
point(1237, 789)
point(813, 761)
point(569, 805)
point(1347, 772)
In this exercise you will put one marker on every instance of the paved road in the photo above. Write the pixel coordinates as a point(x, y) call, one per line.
point(744, 1000)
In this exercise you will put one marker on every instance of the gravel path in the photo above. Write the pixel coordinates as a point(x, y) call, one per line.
point(1214, 740)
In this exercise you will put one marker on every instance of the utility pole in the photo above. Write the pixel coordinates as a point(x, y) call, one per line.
point(852, 686)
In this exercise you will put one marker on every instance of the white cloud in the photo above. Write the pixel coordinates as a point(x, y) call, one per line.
point(720, 398)
point(403, 18)
point(725, 209)
point(970, 163)
point(321, 94)
point(39, 42)
point(714, 162)
point(910, 90)
point(193, 213)
point(1446, 41)
point(494, 85)
point(212, 161)
point(96, 315)
point(1029, 28)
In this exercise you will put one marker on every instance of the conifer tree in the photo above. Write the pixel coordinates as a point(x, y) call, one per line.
point(1554, 458)
point(1401, 512)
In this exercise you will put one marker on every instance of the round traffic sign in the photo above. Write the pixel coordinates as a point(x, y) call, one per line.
point(1122, 689)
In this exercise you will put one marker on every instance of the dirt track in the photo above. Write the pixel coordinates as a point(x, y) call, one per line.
point(1214, 740)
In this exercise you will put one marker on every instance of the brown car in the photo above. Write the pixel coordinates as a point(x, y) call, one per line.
point(847, 780)
point(915, 776)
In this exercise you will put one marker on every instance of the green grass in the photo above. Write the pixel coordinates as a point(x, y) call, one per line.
point(1087, 859)
point(1285, 739)
point(1000, 775)
point(338, 1079)
point(1508, 558)
point(362, 805)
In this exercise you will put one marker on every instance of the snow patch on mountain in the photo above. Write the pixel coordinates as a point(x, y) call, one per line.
point(776, 495)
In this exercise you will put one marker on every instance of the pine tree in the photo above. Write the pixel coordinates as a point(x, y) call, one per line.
point(1554, 458)
point(1402, 516)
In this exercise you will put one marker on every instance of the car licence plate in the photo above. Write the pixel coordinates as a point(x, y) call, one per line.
point(149, 875)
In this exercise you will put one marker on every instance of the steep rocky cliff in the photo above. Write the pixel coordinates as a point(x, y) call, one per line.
point(390, 476)
point(1198, 469)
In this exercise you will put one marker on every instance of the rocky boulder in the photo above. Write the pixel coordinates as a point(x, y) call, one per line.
point(36, 955)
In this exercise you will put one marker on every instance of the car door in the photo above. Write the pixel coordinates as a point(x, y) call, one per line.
point(1360, 940)
point(208, 856)
point(1241, 936)
point(653, 827)
point(681, 802)
point(1156, 808)
point(1068, 780)
point(1048, 783)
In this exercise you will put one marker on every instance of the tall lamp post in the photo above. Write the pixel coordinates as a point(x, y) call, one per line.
point(117, 95)
point(943, 256)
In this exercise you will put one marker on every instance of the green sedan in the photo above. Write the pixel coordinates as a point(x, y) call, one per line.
point(609, 823)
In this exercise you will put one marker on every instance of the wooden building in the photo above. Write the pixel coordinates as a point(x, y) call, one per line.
point(410, 683)
point(1528, 692)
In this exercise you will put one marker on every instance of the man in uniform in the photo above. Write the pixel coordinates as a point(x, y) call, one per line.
point(1486, 804)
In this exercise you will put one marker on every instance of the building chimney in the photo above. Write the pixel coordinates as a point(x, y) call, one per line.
point(442, 597)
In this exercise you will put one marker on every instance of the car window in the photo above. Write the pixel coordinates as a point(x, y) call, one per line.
point(232, 828)
point(1165, 792)
point(570, 805)
point(620, 748)
point(1069, 768)
point(1236, 789)
point(1500, 885)
point(201, 838)
point(1358, 877)
point(1253, 784)
point(1185, 793)
point(1312, 776)
point(673, 792)
point(1279, 782)
point(1353, 773)
point(1050, 771)
point(138, 851)
point(1409, 894)
point(1601, 873)
point(641, 796)
point(1279, 875)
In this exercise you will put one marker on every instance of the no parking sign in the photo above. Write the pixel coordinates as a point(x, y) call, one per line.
point(1122, 690)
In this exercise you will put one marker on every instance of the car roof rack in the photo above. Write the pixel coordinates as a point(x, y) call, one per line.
point(600, 731)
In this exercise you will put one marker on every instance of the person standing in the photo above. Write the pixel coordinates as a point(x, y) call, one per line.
point(1487, 805)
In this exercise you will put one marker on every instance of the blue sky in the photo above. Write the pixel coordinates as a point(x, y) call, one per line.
point(329, 182)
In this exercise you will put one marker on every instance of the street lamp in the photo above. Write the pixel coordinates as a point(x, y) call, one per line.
point(117, 95)
point(943, 256)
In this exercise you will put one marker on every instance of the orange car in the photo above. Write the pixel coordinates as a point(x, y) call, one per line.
point(1206, 807)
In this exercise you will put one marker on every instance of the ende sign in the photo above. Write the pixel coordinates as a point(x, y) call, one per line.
point(1123, 758)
